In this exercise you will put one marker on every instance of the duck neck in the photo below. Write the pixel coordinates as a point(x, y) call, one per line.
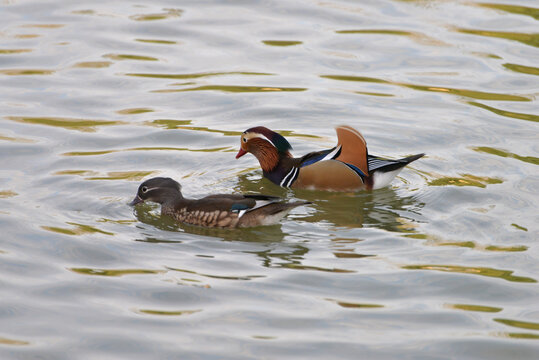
point(169, 197)
point(268, 156)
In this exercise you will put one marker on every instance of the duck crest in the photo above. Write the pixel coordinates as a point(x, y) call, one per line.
point(281, 144)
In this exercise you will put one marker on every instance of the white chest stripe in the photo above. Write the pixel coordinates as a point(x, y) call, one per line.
point(289, 178)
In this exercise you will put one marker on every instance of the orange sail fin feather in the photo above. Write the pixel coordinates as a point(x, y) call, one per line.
point(353, 147)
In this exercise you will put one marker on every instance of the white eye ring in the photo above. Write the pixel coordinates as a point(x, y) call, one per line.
point(244, 140)
point(144, 189)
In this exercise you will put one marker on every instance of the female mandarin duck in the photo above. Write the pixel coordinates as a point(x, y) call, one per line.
point(220, 210)
point(346, 167)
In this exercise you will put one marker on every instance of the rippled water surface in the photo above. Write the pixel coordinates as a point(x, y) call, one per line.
point(96, 96)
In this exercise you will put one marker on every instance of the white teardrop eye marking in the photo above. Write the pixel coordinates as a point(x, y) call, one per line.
point(244, 140)
point(144, 189)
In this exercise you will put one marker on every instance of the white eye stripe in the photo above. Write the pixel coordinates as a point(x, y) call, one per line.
point(262, 136)
point(145, 189)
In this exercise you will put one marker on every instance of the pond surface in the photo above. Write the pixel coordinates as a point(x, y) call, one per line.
point(96, 96)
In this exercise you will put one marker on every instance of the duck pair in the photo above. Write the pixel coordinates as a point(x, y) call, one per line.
point(345, 167)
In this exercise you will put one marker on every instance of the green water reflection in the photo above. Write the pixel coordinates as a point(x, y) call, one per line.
point(465, 180)
point(85, 125)
point(281, 42)
point(114, 272)
point(7, 194)
point(519, 336)
point(503, 153)
point(129, 57)
point(513, 9)
point(482, 271)
point(167, 313)
point(350, 305)
point(296, 266)
point(509, 114)
point(474, 94)
point(93, 64)
point(480, 308)
point(522, 69)
point(44, 26)
point(134, 111)
point(16, 139)
point(156, 41)
point(6, 341)
point(185, 125)
point(17, 72)
point(77, 229)
point(123, 175)
point(196, 75)
point(169, 13)
point(519, 227)
point(519, 324)
point(433, 240)
point(14, 51)
point(222, 277)
point(528, 39)
point(233, 89)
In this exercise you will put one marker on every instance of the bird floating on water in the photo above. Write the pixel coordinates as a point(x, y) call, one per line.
point(346, 167)
point(219, 210)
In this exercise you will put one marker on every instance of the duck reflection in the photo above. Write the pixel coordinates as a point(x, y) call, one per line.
point(382, 208)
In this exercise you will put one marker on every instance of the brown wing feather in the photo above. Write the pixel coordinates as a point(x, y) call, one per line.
point(354, 147)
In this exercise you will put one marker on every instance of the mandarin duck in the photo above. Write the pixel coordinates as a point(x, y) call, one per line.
point(219, 210)
point(346, 167)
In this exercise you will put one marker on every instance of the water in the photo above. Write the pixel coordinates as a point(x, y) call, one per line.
point(97, 96)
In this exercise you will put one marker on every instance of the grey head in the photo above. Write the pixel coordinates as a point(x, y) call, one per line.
point(158, 189)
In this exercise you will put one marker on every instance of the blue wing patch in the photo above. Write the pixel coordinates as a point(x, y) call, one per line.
point(357, 170)
point(313, 160)
point(238, 207)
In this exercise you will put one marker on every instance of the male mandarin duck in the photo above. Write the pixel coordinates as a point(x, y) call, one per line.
point(346, 167)
point(220, 210)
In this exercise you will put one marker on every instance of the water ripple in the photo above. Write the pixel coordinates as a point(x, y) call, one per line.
point(86, 125)
point(513, 9)
point(475, 94)
point(196, 75)
point(482, 271)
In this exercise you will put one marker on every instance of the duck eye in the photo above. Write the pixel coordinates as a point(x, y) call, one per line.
point(244, 140)
point(144, 189)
